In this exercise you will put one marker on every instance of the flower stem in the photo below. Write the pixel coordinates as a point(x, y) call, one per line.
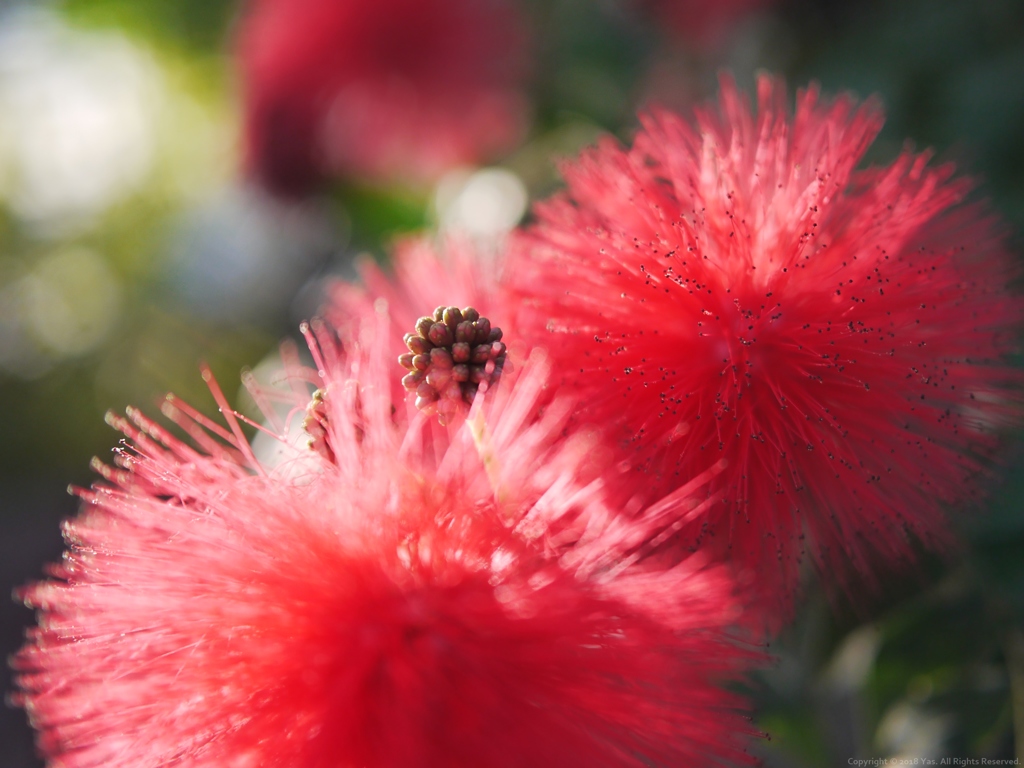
point(482, 440)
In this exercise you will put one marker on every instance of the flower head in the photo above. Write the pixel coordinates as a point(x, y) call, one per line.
point(379, 91)
point(736, 295)
point(401, 602)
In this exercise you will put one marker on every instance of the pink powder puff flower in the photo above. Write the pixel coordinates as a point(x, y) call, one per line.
point(735, 296)
point(399, 605)
point(378, 91)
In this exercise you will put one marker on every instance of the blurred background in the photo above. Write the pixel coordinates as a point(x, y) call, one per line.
point(178, 178)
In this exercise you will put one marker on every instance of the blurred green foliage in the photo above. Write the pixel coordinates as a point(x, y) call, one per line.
point(197, 25)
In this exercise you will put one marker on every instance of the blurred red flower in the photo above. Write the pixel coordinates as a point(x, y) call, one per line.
point(397, 605)
point(735, 296)
point(703, 22)
point(393, 90)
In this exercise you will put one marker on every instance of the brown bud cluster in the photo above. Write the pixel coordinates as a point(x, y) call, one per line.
point(451, 355)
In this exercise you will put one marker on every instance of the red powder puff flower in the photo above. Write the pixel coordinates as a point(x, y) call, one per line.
point(381, 91)
point(738, 298)
point(394, 607)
